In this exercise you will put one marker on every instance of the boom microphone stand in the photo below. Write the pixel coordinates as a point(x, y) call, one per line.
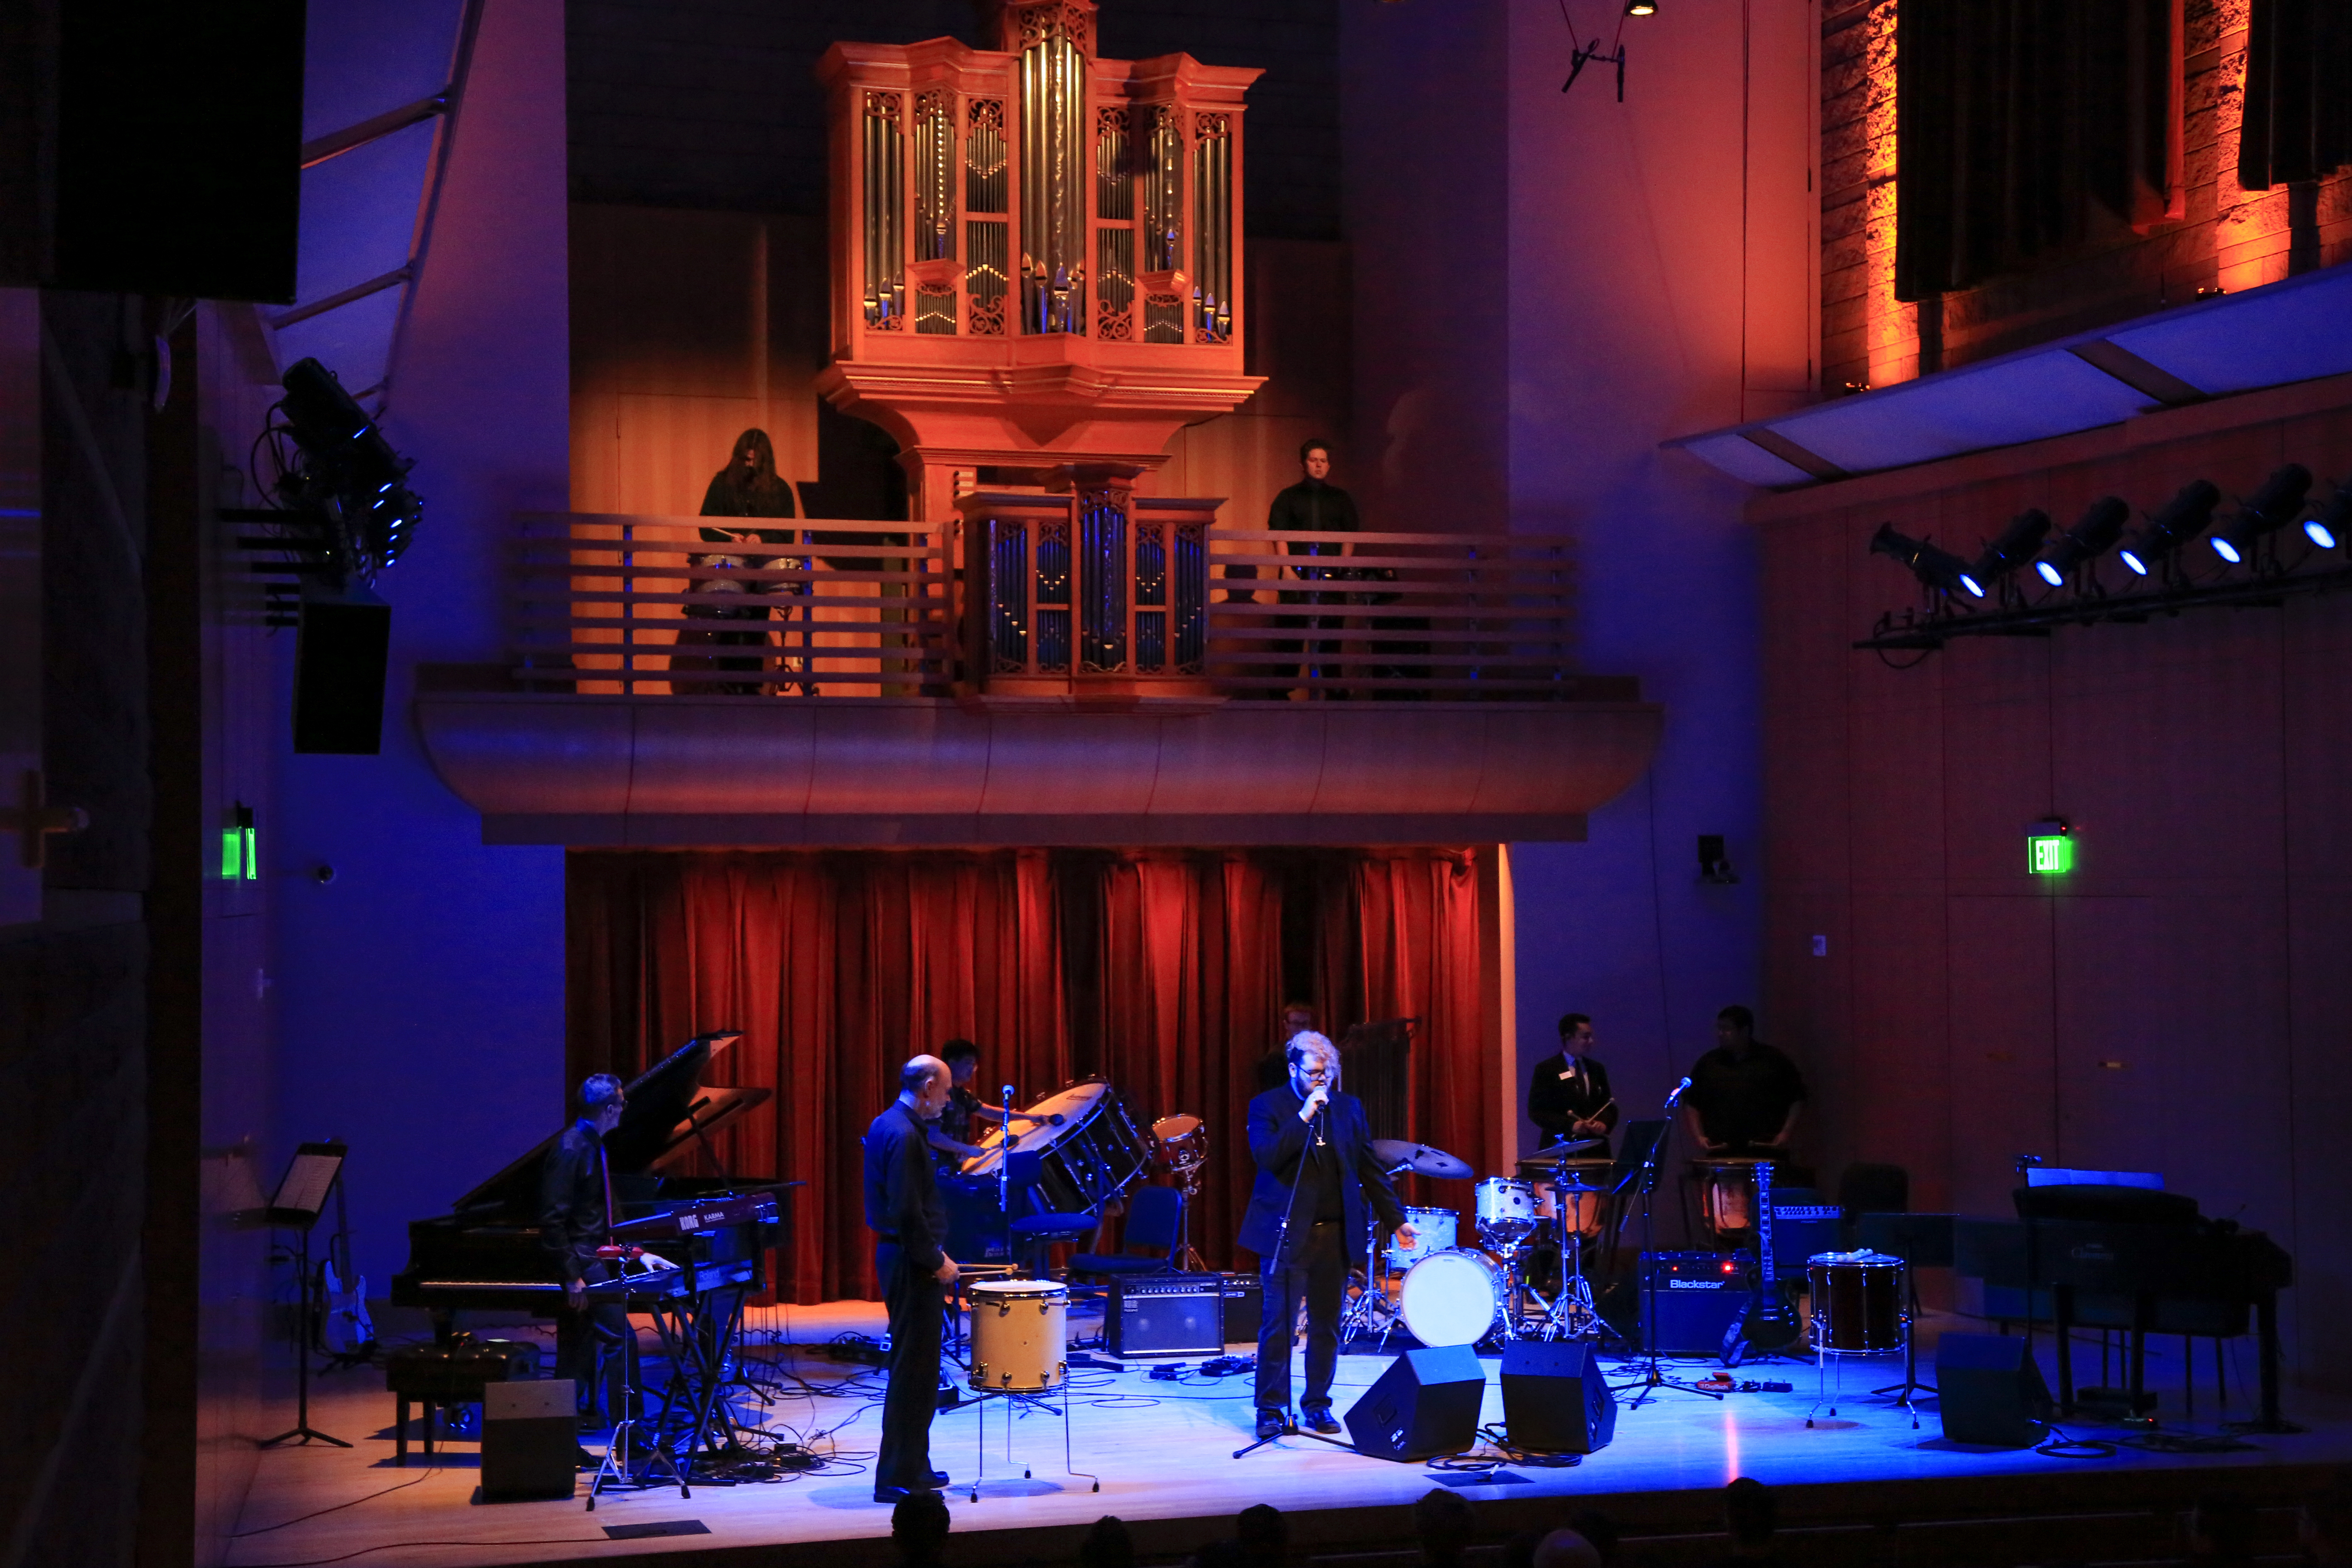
point(1644, 1181)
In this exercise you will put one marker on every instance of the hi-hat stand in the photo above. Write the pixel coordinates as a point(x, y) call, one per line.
point(300, 1195)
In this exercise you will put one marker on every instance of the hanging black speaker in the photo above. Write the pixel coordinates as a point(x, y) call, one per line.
point(1425, 1405)
point(1991, 1391)
point(1554, 1397)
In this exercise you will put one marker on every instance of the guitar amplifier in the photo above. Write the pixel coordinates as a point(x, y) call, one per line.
point(1696, 1294)
point(1802, 1226)
point(1165, 1314)
point(1244, 1300)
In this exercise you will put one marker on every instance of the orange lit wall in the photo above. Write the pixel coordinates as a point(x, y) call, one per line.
point(2229, 239)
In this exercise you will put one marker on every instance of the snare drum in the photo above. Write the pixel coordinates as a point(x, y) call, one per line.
point(1451, 1297)
point(1507, 1211)
point(1584, 1208)
point(1857, 1301)
point(1434, 1231)
point(1727, 1194)
point(1019, 1330)
point(1092, 1157)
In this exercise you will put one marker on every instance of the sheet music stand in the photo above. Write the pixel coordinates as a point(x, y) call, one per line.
point(301, 1194)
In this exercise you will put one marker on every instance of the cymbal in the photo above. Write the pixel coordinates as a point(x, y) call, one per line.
point(1566, 1147)
point(1421, 1158)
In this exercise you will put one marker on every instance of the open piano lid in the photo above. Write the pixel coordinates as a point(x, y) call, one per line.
point(666, 1104)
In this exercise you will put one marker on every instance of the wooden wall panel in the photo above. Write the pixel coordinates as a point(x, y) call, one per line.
point(2182, 1001)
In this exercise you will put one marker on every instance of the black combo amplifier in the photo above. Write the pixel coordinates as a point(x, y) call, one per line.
point(1165, 1314)
point(1695, 1295)
point(1802, 1226)
point(1245, 1294)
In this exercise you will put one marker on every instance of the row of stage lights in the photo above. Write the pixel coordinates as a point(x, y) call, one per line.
point(2152, 553)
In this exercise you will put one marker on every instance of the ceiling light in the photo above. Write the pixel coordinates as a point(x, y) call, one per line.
point(2090, 537)
point(1937, 569)
point(2184, 517)
point(1640, 7)
point(2333, 526)
point(2276, 504)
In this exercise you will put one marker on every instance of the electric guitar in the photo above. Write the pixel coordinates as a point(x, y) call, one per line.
point(345, 1329)
point(1768, 1324)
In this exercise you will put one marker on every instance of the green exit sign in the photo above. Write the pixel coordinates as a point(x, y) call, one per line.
point(2049, 849)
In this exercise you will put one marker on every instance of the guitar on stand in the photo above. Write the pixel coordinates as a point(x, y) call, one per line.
point(345, 1332)
point(1768, 1326)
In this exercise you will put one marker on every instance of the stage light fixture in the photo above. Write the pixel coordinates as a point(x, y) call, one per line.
point(2011, 550)
point(2092, 536)
point(343, 476)
point(2184, 517)
point(2276, 504)
point(1935, 568)
point(1640, 7)
point(2333, 526)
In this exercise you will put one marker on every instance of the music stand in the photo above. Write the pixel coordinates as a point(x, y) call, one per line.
point(1921, 1241)
point(300, 1195)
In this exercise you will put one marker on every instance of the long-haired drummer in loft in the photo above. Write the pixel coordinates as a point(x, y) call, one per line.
point(1317, 1174)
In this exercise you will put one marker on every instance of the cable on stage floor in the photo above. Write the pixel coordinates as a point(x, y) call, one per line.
point(336, 1508)
point(2058, 1446)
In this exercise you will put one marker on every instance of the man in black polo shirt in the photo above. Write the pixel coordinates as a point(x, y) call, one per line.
point(1745, 1096)
point(910, 1223)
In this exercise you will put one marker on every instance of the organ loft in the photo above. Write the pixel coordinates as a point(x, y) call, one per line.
point(1037, 252)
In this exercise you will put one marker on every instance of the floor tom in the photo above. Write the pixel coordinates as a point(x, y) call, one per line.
point(1020, 1328)
point(1858, 1303)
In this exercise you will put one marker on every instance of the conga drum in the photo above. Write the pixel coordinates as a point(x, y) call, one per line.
point(1727, 1195)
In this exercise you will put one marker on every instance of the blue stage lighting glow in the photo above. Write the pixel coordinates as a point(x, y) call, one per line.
point(2051, 574)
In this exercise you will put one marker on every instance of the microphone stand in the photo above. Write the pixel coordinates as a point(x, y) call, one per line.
point(1645, 1180)
point(1281, 1272)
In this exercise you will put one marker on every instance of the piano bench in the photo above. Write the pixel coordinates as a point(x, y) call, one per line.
point(438, 1377)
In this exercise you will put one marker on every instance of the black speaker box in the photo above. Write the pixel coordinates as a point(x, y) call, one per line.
point(1554, 1397)
point(530, 1439)
point(1166, 1314)
point(1244, 1300)
point(339, 655)
point(1695, 1295)
point(1990, 1390)
point(1425, 1405)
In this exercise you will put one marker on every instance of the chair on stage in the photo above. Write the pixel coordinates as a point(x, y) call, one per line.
point(1036, 1230)
point(1155, 1218)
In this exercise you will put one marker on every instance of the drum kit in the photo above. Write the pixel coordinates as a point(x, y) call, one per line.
point(1443, 1292)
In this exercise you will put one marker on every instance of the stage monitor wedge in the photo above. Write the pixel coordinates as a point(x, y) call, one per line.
point(1992, 1392)
point(530, 1439)
point(1426, 1403)
point(1554, 1398)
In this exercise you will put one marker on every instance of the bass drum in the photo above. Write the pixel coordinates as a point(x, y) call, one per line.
point(1092, 1157)
point(1451, 1297)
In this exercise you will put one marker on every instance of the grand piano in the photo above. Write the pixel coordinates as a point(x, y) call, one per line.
point(705, 1237)
point(2124, 1258)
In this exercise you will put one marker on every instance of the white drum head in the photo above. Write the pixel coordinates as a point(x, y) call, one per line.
point(1448, 1298)
point(1004, 1291)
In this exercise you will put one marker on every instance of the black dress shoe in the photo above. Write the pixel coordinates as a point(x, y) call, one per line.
point(1270, 1424)
point(939, 1478)
point(890, 1494)
point(1320, 1420)
point(583, 1460)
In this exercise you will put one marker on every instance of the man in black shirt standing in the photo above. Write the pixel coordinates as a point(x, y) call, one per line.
point(575, 1218)
point(909, 1225)
point(1568, 1094)
point(1315, 1173)
point(1745, 1096)
point(1313, 505)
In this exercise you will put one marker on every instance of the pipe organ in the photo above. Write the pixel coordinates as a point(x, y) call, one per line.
point(1037, 251)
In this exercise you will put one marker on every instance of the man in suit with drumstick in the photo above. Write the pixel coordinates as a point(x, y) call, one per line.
point(1568, 1094)
point(910, 1225)
point(1316, 1176)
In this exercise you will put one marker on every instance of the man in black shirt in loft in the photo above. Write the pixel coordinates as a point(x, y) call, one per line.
point(909, 1225)
point(1313, 505)
point(1745, 1096)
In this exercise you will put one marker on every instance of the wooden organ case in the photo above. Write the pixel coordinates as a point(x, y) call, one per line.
point(1037, 253)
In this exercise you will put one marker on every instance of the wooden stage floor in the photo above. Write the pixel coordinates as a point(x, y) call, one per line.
point(1163, 1453)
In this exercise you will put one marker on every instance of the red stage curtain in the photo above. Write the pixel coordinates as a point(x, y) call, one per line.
point(1160, 971)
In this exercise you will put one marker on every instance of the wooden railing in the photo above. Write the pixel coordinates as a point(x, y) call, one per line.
point(815, 607)
point(1450, 615)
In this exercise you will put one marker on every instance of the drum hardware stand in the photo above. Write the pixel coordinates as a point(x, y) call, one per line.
point(628, 1460)
point(1572, 1314)
point(980, 1397)
point(1643, 1181)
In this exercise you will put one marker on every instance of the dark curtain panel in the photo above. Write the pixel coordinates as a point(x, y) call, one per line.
point(2298, 108)
point(1160, 971)
point(2016, 121)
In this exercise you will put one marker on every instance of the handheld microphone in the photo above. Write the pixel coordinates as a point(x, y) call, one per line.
point(1675, 1099)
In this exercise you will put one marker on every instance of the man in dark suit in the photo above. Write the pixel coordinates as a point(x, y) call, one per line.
point(1315, 1174)
point(1568, 1094)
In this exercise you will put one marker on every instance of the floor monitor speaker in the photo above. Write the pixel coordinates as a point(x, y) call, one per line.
point(530, 1439)
point(1424, 1405)
point(1554, 1397)
point(1991, 1391)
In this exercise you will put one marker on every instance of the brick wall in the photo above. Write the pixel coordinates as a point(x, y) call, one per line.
point(714, 103)
point(2228, 237)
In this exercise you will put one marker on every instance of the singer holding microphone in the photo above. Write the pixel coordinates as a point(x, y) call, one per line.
point(1305, 1221)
